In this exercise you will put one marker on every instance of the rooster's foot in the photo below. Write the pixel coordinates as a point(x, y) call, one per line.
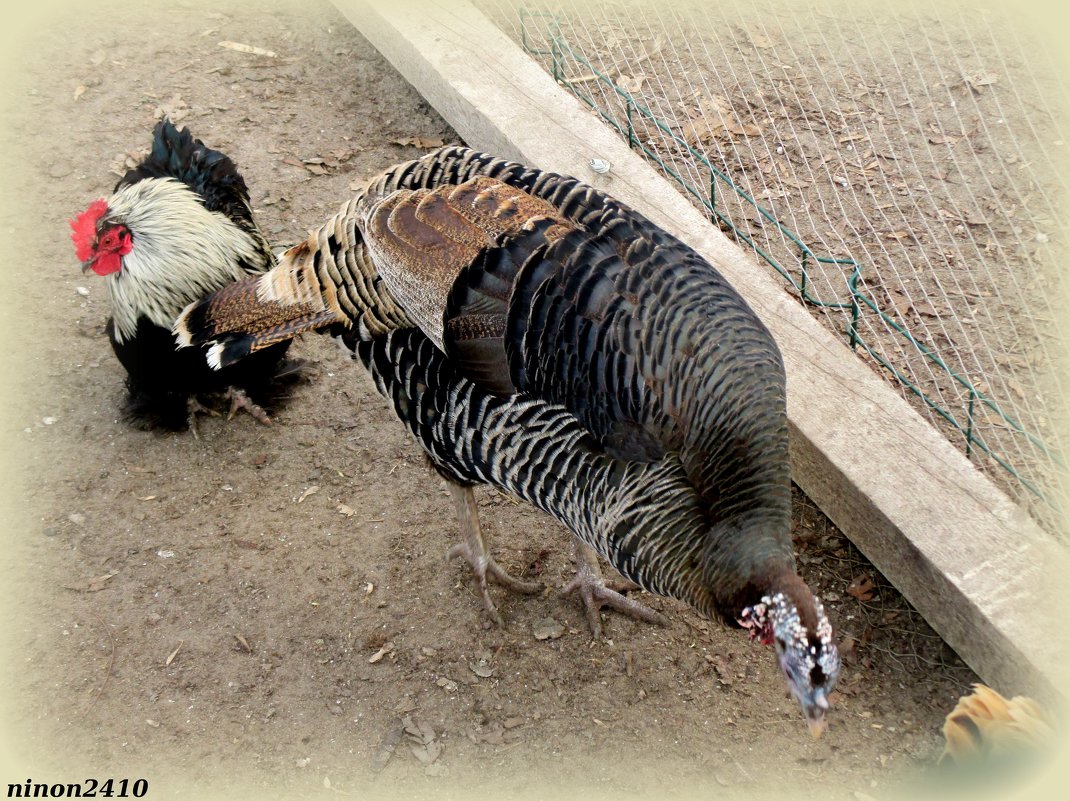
point(239, 400)
point(193, 408)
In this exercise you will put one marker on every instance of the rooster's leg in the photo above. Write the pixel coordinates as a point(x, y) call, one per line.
point(474, 550)
point(193, 408)
point(239, 400)
point(595, 593)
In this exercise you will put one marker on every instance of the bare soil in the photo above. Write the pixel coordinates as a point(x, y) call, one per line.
point(265, 610)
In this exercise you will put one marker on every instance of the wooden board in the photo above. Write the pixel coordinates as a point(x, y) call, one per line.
point(970, 560)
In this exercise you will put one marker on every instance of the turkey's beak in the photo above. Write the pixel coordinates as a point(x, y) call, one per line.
point(815, 708)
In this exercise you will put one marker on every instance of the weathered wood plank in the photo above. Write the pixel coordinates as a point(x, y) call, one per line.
point(971, 561)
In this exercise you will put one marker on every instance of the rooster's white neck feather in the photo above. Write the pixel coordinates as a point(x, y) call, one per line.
point(181, 252)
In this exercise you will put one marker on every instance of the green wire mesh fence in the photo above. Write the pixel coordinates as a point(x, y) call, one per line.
point(541, 36)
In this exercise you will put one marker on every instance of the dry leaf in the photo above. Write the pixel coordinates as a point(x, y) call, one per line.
point(90, 585)
point(760, 40)
point(926, 308)
point(941, 138)
point(714, 105)
point(547, 629)
point(481, 668)
point(171, 656)
point(723, 672)
point(78, 92)
point(387, 746)
point(426, 753)
point(175, 109)
point(700, 131)
point(861, 588)
point(976, 82)
point(310, 491)
point(244, 48)
point(748, 129)
point(493, 737)
point(900, 302)
point(631, 85)
point(420, 141)
point(250, 544)
point(346, 510)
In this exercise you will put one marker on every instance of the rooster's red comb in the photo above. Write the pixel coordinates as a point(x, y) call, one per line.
point(84, 229)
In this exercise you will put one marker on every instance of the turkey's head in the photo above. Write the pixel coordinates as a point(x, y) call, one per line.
point(99, 243)
point(808, 658)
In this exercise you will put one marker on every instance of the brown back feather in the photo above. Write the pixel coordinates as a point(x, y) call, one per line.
point(422, 240)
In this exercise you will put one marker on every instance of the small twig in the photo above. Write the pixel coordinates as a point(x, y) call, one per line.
point(111, 664)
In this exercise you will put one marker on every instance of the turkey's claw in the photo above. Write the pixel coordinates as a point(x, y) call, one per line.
point(595, 593)
point(484, 567)
point(474, 550)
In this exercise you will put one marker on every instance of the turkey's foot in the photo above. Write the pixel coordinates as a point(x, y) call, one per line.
point(475, 552)
point(596, 592)
point(193, 408)
point(240, 401)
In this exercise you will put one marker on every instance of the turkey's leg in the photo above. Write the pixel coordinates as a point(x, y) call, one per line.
point(474, 550)
point(595, 593)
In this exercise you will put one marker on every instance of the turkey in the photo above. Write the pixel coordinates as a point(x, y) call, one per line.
point(177, 227)
point(536, 335)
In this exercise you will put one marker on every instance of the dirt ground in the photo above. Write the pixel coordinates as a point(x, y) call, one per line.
point(264, 610)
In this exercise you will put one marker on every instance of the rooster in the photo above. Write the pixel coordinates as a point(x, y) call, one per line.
point(536, 335)
point(987, 728)
point(177, 227)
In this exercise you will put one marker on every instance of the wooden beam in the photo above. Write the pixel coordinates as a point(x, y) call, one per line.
point(973, 563)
